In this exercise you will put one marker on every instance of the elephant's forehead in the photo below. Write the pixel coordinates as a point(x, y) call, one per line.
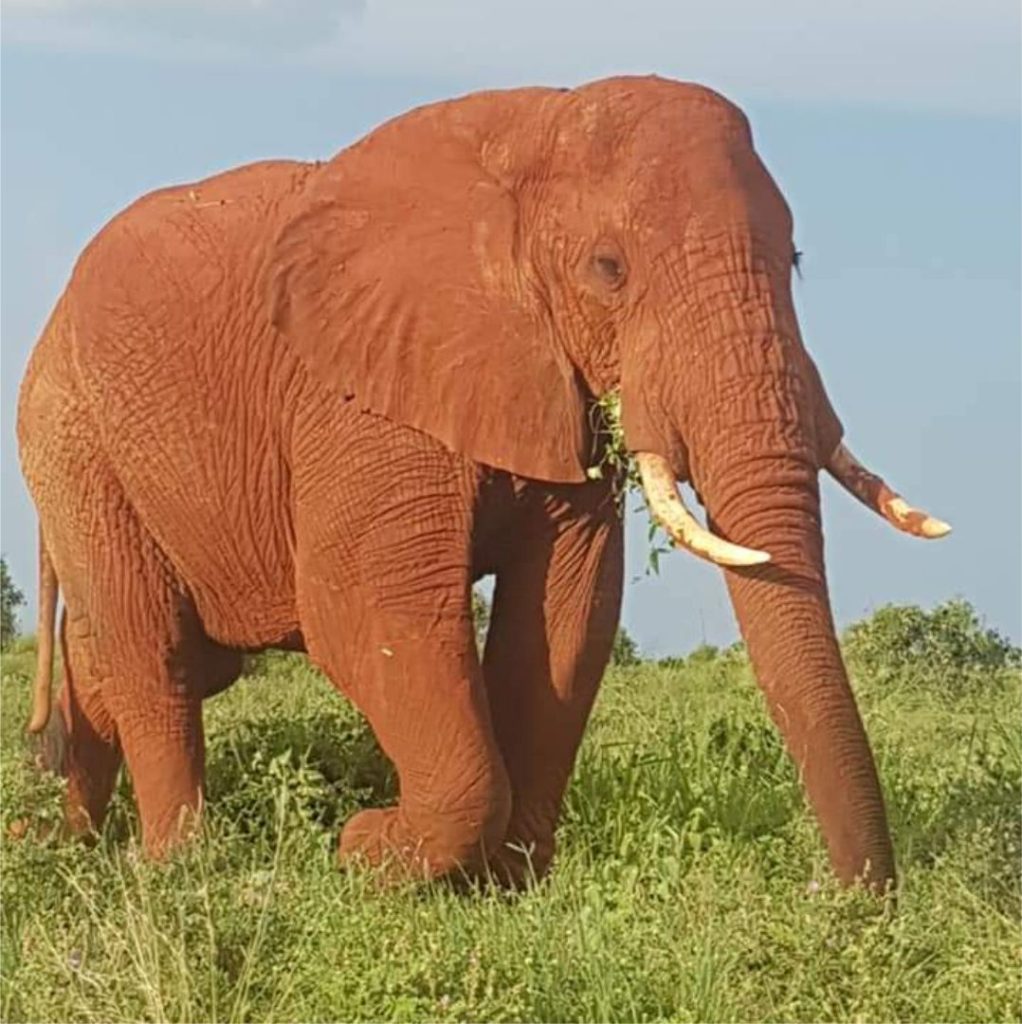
point(650, 106)
point(646, 133)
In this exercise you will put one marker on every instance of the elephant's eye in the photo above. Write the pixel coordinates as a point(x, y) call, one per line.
point(609, 268)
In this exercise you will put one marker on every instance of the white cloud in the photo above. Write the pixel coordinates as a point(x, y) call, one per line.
point(912, 53)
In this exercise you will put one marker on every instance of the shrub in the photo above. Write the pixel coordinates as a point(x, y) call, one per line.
point(722, 664)
point(625, 650)
point(717, 666)
point(273, 661)
point(704, 654)
point(736, 654)
point(481, 611)
point(25, 643)
point(948, 648)
point(11, 599)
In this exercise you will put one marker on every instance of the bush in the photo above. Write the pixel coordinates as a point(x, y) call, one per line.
point(721, 667)
point(704, 654)
point(947, 648)
point(625, 650)
point(481, 612)
point(11, 599)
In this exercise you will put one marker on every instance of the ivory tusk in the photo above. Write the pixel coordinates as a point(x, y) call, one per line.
point(875, 494)
point(684, 529)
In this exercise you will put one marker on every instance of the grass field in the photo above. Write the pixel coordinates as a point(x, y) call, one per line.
point(690, 884)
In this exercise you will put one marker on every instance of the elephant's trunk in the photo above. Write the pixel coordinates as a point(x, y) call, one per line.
point(783, 610)
point(747, 420)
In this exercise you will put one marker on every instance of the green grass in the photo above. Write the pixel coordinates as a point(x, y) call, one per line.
point(690, 886)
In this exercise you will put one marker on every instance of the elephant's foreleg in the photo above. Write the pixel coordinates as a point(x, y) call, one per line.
point(555, 612)
point(420, 687)
point(384, 565)
point(426, 703)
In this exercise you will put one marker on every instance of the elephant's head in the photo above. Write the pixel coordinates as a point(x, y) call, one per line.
point(481, 269)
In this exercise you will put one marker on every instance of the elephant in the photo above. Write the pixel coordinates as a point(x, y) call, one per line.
point(306, 405)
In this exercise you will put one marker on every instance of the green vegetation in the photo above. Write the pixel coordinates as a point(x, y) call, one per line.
point(690, 886)
point(616, 462)
point(481, 611)
point(11, 599)
point(625, 652)
point(614, 459)
point(947, 649)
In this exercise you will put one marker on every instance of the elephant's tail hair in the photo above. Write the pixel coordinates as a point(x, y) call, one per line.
point(48, 588)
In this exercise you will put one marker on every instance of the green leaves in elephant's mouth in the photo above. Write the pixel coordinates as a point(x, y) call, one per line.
point(612, 457)
point(613, 460)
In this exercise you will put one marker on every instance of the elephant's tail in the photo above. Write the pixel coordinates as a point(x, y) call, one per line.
point(48, 587)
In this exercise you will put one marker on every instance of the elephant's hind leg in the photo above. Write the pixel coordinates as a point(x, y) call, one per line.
point(80, 740)
point(156, 650)
point(137, 651)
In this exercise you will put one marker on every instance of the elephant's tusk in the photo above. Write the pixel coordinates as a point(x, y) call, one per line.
point(684, 529)
point(875, 494)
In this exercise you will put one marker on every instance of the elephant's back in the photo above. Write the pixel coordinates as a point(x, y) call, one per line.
point(188, 384)
point(178, 246)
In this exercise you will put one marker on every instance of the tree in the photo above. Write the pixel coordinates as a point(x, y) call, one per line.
point(625, 650)
point(11, 599)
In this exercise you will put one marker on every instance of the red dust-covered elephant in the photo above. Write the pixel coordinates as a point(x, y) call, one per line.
point(306, 405)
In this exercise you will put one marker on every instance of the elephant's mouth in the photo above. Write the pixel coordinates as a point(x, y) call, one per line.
point(668, 508)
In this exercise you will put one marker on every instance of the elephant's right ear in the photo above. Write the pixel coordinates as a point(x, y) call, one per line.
point(399, 282)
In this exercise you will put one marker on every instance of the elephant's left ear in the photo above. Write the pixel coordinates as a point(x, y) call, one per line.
point(399, 283)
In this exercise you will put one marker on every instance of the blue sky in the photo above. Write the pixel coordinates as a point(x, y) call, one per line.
point(893, 130)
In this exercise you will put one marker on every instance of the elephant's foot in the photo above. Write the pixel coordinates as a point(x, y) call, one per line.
point(90, 769)
point(87, 756)
point(383, 840)
point(163, 838)
point(39, 830)
point(518, 867)
point(165, 753)
point(74, 825)
point(521, 862)
point(373, 839)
